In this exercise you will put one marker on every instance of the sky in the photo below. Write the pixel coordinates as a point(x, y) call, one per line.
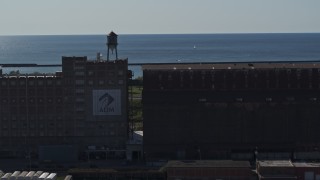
point(55, 17)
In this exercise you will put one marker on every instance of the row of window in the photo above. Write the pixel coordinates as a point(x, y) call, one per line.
point(31, 100)
point(80, 71)
point(201, 84)
point(78, 82)
point(99, 82)
point(31, 126)
point(31, 92)
point(289, 99)
point(269, 99)
point(230, 69)
point(31, 118)
point(239, 75)
point(104, 74)
point(53, 132)
point(14, 82)
point(233, 77)
point(32, 134)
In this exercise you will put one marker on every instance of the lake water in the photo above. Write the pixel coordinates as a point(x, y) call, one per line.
point(160, 48)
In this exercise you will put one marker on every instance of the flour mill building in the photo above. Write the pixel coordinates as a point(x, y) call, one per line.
point(84, 105)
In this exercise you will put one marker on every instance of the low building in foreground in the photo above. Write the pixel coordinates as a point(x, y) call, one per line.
point(286, 169)
point(206, 169)
point(118, 173)
point(276, 170)
point(307, 170)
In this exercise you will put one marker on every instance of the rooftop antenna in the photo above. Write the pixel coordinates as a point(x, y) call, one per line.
point(99, 56)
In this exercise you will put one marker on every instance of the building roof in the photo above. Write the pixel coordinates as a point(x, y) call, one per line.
point(236, 65)
point(306, 164)
point(276, 163)
point(208, 164)
point(112, 34)
point(137, 138)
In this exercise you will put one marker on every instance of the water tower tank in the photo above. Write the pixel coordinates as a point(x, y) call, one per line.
point(112, 43)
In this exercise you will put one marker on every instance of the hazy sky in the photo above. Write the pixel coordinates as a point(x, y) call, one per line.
point(20, 17)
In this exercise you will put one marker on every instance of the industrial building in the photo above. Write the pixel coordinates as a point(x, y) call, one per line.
point(231, 110)
point(84, 106)
point(286, 169)
point(209, 169)
point(276, 170)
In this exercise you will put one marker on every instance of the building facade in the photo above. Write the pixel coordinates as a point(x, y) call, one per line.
point(84, 105)
point(209, 169)
point(219, 111)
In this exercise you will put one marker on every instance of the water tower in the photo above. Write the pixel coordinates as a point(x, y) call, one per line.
point(112, 44)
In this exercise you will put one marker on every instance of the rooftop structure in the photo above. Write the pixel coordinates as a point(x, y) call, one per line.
point(275, 163)
point(239, 65)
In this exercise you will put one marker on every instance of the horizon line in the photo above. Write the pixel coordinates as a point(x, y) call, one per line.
point(218, 33)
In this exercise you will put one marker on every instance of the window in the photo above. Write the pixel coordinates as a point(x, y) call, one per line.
point(31, 83)
point(120, 73)
point(50, 100)
point(13, 100)
point(90, 82)
point(101, 82)
point(313, 99)
point(111, 82)
point(80, 99)
point(22, 82)
point(40, 100)
point(111, 74)
point(59, 100)
point(12, 83)
point(79, 73)
point(79, 68)
point(268, 99)
point(80, 82)
point(239, 99)
point(90, 73)
point(79, 91)
point(290, 98)
point(79, 109)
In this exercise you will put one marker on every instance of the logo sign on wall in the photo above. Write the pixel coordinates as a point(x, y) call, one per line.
point(106, 102)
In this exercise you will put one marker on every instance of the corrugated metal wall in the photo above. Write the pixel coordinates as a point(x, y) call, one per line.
point(205, 113)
